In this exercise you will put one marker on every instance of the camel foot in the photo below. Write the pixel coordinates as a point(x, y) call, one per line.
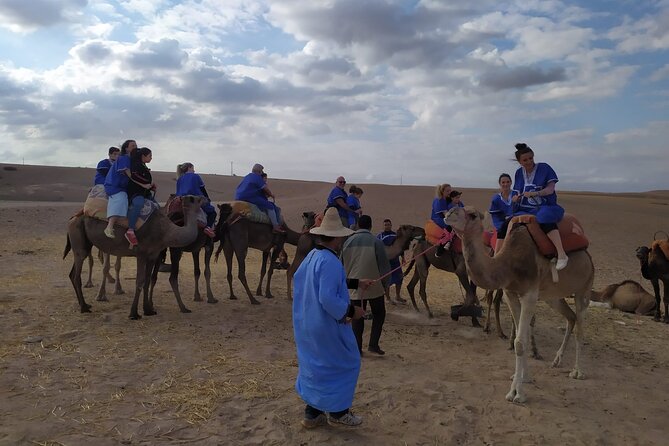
point(102, 298)
point(519, 398)
point(85, 308)
point(503, 336)
point(576, 374)
point(269, 296)
point(110, 279)
point(537, 356)
point(119, 291)
point(475, 322)
point(557, 361)
point(486, 330)
point(526, 379)
point(89, 285)
point(150, 312)
point(185, 310)
point(233, 297)
point(259, 293)
point(666, 319)
point(254, 301)
point(134, 317)
point(657, 318)
point(430, 315)
point(212, 300)
point(511, 395)
point(197, 298)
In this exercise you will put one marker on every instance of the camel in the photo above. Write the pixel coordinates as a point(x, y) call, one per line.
point(106, 277)
point(525, 276)
point(628, 296)
point(307, 242)
point(655, 267)
point(237, 235)
point(450, 261)
point(157, 233)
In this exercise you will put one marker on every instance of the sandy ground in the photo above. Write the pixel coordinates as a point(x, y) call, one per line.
point(224, 374)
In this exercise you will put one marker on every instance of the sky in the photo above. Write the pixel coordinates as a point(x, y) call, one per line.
point(380, 91)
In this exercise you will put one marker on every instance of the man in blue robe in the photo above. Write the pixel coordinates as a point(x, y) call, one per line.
point(337, 199)
point(327, 352)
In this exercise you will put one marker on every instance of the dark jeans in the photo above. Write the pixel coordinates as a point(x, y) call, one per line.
point(378, 306)
point(136, 206)
point(311, 413)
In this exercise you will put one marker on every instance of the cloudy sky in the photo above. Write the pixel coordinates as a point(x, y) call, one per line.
point(383, 91)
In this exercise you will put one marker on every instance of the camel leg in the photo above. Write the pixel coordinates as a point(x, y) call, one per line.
point(229, 253)
point(666, 301)
point(422, 290)
point(411, 287)
point(497, 300)
point(562, 307)
point(581, 307)
point(101, 256)
point(89, 283)
point(658, 300)
point(147, 303)
point(154, 276)
point(263, 270)
point(535, 351)
point(139, 282)
point(102, 292)
point(289, 282)
point(488, 297)
point(175, 256)
point(240, 253)
point(118, 289)
point(208, 251)
point(275, 255)
point(75, 278)
point(196, 273)
point(527, 306)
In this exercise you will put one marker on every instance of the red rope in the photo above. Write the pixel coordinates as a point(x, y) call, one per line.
point(402, 264)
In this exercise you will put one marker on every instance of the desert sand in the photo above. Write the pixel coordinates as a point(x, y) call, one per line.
point(224, 374)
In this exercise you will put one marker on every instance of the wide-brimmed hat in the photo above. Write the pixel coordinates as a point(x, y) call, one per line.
point(331, 225)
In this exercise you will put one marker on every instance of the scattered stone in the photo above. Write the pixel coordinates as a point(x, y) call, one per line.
point(33, 339)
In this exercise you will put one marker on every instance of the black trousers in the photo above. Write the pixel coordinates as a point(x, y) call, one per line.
point(378, 306)
point(311, 412)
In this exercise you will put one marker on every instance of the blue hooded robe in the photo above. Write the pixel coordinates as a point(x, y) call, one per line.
point(327, 352)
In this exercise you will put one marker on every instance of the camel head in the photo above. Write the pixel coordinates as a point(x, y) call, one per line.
point(309, 219)
point(464, 220)
point(642, 253)
point(412, 232)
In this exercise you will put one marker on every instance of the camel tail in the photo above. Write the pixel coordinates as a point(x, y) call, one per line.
point(224, 213)
point(411, 264)
point(68, 247)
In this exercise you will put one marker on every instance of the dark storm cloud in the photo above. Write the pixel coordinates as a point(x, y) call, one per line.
point(521, 77)
point(93, 52)
point(38, 13)
point(165, 54)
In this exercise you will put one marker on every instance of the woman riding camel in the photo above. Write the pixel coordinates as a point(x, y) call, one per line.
point(190, 183)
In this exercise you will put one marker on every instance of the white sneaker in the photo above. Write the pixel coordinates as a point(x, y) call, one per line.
point(347, 419)
point(561, 263)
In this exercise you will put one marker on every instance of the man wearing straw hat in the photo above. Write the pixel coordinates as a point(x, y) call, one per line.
point(327, 352)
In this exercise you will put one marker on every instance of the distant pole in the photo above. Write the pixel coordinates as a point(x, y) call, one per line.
point(231, 171)
point(400, 180)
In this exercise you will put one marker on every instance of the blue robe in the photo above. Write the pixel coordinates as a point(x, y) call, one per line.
point(251, 191)
point(117, 180)
point(101, 171)
point(338, 192)
point(354, 204)
point(191, 183)
point(439, 207)
point(327, 352)
point(545, 208)
point(500, 209)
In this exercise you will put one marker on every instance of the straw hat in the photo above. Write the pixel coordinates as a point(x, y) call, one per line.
point(331, 225)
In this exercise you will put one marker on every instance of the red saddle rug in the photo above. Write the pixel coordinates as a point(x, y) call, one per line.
point(571, 232)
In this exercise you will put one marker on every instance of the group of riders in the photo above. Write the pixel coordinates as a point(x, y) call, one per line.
point(128, 183)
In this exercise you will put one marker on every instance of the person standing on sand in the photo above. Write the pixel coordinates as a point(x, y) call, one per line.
point(388, 237)
point(102, 169)
point(327, 352)
point(337, 199)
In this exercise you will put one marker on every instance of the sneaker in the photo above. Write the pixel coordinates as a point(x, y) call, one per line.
point(131, 237)
point(447, 246)
point(376, 350)
point(311, 423)
point(209, 232)
point(109, 233)
point(348, 419)
point(561, 263)
point(278, 230)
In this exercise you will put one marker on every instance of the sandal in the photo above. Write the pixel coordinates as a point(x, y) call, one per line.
point(109, 232)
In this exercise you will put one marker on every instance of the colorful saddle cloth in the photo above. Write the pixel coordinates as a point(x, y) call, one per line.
point(175, 212)
point(435, 236)
point(571, 232)
point(249, 211)
point(96, 207)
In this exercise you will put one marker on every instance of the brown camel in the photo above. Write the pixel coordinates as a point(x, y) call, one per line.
point(238, 234)
point(628, 296)
point(655, 267)
point(525, 275)
point(307, 242)
point(451, 261)
point(157, 233)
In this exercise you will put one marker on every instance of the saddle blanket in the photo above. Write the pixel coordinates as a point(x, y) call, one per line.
point(175, 212)
point(96, 207)
point(571, 232)
point(250, 211)
point(434, 234)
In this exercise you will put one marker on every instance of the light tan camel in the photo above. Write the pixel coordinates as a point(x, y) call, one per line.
point(405, 235)
point(525, 275)
point(450, 261)
point(237, 235)
point(655, 267)
point(628, 296)
point(157, 233)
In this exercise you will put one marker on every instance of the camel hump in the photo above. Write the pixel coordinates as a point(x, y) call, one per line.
point(571, 232)
point(662, 245)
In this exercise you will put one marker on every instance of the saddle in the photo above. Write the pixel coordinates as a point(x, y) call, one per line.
point(96, 207)
point(175, 212)
point(571, 233)
point(433, 234)
point(251, 212)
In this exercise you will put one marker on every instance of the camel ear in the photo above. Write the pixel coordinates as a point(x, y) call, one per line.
point(472, 212)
